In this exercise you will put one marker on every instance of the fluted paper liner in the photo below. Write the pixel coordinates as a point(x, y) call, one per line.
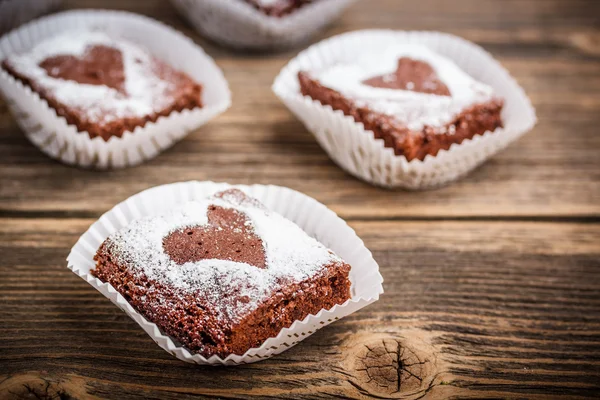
point(358, 152)
point(238, 24)
point(60, 140)
point(313, 217)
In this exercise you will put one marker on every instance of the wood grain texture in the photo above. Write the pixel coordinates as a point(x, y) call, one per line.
point(488, 312)
point(492, 284)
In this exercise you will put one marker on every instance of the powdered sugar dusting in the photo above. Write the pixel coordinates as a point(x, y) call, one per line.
point(145, 91)
point(412, 109)
point(291, 256)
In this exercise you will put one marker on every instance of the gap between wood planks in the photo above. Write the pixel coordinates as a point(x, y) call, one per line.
point(581, 219)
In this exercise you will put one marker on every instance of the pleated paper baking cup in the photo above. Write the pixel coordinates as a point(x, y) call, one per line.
point(356, 149)
point(15, 12)
point(238, 24)
point(313, 217)
point(60, 140)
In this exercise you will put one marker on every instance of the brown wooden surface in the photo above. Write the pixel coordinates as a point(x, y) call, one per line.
point(492, 284)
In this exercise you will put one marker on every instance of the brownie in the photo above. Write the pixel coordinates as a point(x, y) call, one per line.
point(103, 85)
point(223, 274)
point(417, 101)
point(278, 8)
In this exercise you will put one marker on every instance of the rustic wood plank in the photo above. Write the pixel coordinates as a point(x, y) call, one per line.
point(487, 308)
point(554, 170)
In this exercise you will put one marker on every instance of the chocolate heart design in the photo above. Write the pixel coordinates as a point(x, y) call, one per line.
point(100, 65)
point(413, 75)
point(228, 236)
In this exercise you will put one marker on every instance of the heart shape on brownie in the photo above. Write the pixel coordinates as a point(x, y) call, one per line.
point(100, 65)
point(227, 236)
point(412, 75)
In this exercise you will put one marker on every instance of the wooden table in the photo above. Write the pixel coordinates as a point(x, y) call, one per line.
point(492, 284)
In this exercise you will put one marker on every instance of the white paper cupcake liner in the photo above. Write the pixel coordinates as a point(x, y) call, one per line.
point(313, 217)
point(15, 12)
point(55, 137)
point(358, 152)
point(237, 24)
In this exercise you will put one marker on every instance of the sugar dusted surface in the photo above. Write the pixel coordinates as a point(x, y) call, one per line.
point(145, 91)
point(291, 256)
point(413, 109)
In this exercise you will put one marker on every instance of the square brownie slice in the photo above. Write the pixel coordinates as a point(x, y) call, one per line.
point(416, 100)
point(102, 84)
point(223, 274)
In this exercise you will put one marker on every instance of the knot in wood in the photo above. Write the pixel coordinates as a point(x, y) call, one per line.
point(588, 43)
point(42, 386)
point(392, 367)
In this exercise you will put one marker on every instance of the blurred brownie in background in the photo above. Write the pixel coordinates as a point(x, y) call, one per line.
point(103, 85)
point(416, 100)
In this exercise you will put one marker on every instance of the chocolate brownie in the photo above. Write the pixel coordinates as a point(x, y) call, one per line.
point(103, 85)
point(223, 274)
point(278, 8)
point(416, 100)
